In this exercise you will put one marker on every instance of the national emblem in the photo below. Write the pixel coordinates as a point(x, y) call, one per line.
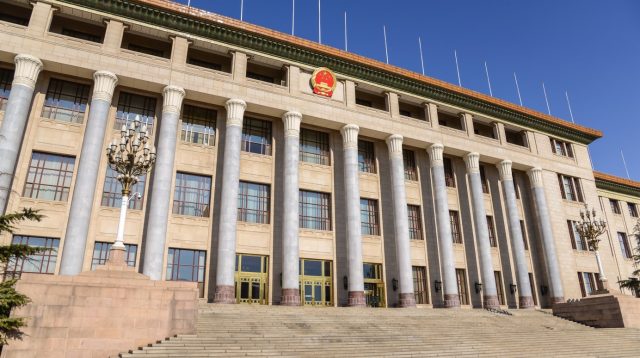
point(323, 82)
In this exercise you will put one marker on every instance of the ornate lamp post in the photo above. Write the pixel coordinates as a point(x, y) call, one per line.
point(590, 229)
point(131, 157)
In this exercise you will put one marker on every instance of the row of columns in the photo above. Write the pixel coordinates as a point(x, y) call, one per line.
point(12, 131)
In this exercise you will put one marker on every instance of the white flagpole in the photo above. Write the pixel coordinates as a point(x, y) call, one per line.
point(293, 17)
point(486, 69)
point(241, 9)
point(346, 46)
point(455, 54)
point(421, 56)
point(386, 52)
point(319, 24)
point(566, 94)
point(544, 89)
point(625, 165)
point(188, 3)
point(517, 88)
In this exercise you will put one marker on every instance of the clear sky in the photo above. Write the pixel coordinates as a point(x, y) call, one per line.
point(589, 48)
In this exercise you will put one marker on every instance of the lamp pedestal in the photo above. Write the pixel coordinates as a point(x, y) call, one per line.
point(117, 257)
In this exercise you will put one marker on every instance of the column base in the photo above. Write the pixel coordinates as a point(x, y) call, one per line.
point(451, 301)
point(225, 294)
point(491, 302)
point(356, 299)
point(290, 297)
point(526, 302)
point(555, 300)
point(407, 300)
point(117, 257)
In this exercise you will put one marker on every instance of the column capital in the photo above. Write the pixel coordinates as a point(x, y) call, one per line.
point(235, 111)
point(394, 142)
point(173, 96)
point(472, 160)
point(292, 121)
point(27, 70)
point(104, 82)
point(504, 168)
point(350, 136)
point(535, 176)
point(435, 154)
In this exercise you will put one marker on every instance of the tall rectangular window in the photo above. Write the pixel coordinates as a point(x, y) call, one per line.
point(623, 240)
point(561, 148)
point(615, 206)
point(315, 210)
point(456, 233)
point(410, 170)
point(483, 179)
point(523, 229)
point(577, 242)
point(187, 265)
point(366, 157)
point(420, 284)
point(415, 222)
point(112, 191)
point(49, 177)
point(131, 105)
point(314, 147)
point(463, 295)
point(101, 254)
point(570, 188)
point(493, 241)
point(66, 101)
point(6, 77)
point(192, 195)
point(198, 125)
point(369, 218)
point(256, 136)
point(449, 176)
point(497, 275)
point(42, 262)
point(254, 202)
point(587, 283)
point(633, 210)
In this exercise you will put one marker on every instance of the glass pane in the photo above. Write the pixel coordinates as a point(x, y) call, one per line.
point(313, 268)
point(244, 290)
point(251, 263)
point(255, 290)
point(307, 293)
point(317, 293)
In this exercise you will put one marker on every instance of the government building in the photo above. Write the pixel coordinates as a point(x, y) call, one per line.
point(289, 172)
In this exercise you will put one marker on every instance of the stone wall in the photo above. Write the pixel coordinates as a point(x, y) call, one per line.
point(602, 311)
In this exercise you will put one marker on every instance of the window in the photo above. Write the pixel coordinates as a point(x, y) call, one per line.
point(366, 157)
point(210, 60)
point(264, 73)
point(198, 125)
point(497, 275)
point(409, 159)
point(415, 222)
point(493, 241)
point(65, 101)
point(570, 188)
point(587, 283)
point(14, 13)
point(624, 245)
point(49, 177)
point(146, 45)
point(112, 192)
point(484, 130)
point(561, 148)
point(6, 77)
point(42, 262)
point(316, 282)
point(256, 136)
point(101, 254)
point(411, 110)
point(524, 235)
point(483, 180)
point(516, 137)
point(186, 265)
point(516, 185)
point(371, 100)
point(420, 284)
point(369, 221)
point(83, 30)
point(633, 210)
point(532, 283)
point(192, 195)
point(315, 210)
point(314, 147)
point(615, 206)
point(577, 242)
point(456, 233)
point(130, 105)
point(254, 202)
point(449, 176)
point(450, 121)
point(461, 276)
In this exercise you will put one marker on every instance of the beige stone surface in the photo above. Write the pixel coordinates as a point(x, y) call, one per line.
point(602, 311)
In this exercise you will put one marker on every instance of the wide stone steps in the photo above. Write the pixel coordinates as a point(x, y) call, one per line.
point(260, 331)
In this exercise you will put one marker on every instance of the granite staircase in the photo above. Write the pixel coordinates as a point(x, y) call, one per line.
point(275, 331)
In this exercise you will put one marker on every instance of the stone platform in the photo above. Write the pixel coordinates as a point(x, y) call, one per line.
point(602, 311)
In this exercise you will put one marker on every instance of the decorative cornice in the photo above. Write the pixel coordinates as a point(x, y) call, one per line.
point(173, 96)
point(435, 154)
point(27, 70)
point(394, 142)
point(504, 168)
point(104, 82)
point(535, 177)
point(472, 160)
point(197, 22)
point(616, 184)
point(350, 136)
point(235, 111)
point(291, 121)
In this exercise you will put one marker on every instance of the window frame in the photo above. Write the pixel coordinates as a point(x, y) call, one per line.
point(206, 127)
point(131, 251)
point(409, 163)
point(148, 115)
point(47, 259)
point(366, 157)
point(625, 246)
point(561, 148)
point(420, 284)
point(199, 208)
point(252, 128)
point(456, 230)
point(633, 209)
point(615, 206)
point(371, 212)
point(449, 172)
point(113, 197)
point(577, 242)
point(570, 188)
point(414, 214)
point(323, 206)
point(262, 213)
point(65, 172)
point(53, 106)
point(493, 238)
point(319, 142)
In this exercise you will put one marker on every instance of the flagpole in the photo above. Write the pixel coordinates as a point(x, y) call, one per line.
point(625, 165)
point(386, 52)
point(517, 88)
point(293, 17)
point(455, 54)
point(346, 47)
point(241, 9)
point(421, 56)
point(319, 24)
point(486, 69)
point(544, 89)
point(566, 94)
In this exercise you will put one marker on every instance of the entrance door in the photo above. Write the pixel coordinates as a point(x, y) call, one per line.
point(316, 282)
point(252, 279)
point(374, 285)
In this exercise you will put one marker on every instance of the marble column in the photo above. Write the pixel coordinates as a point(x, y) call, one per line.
point(290, 244)
point(225, 272)
point(163, 173)
point(401, 221)
point(548, 241)
point(15, 120)
point(445, 240)
point(352, 202)
point(75, 238)
point(489, 291)
point(515, 231)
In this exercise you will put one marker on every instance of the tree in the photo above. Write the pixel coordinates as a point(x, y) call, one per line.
point(9, 297)
point(633, 282)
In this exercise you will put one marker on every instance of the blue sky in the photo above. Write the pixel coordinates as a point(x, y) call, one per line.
point(589, 48)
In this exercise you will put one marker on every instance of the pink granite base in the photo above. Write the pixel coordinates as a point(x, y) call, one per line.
point(602, 311)
point(451, 301)
point(406, 300)
point(357, 299)
point(290, 297)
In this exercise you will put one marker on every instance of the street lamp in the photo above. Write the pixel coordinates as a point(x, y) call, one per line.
point(590, 229)
point(131, 157)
